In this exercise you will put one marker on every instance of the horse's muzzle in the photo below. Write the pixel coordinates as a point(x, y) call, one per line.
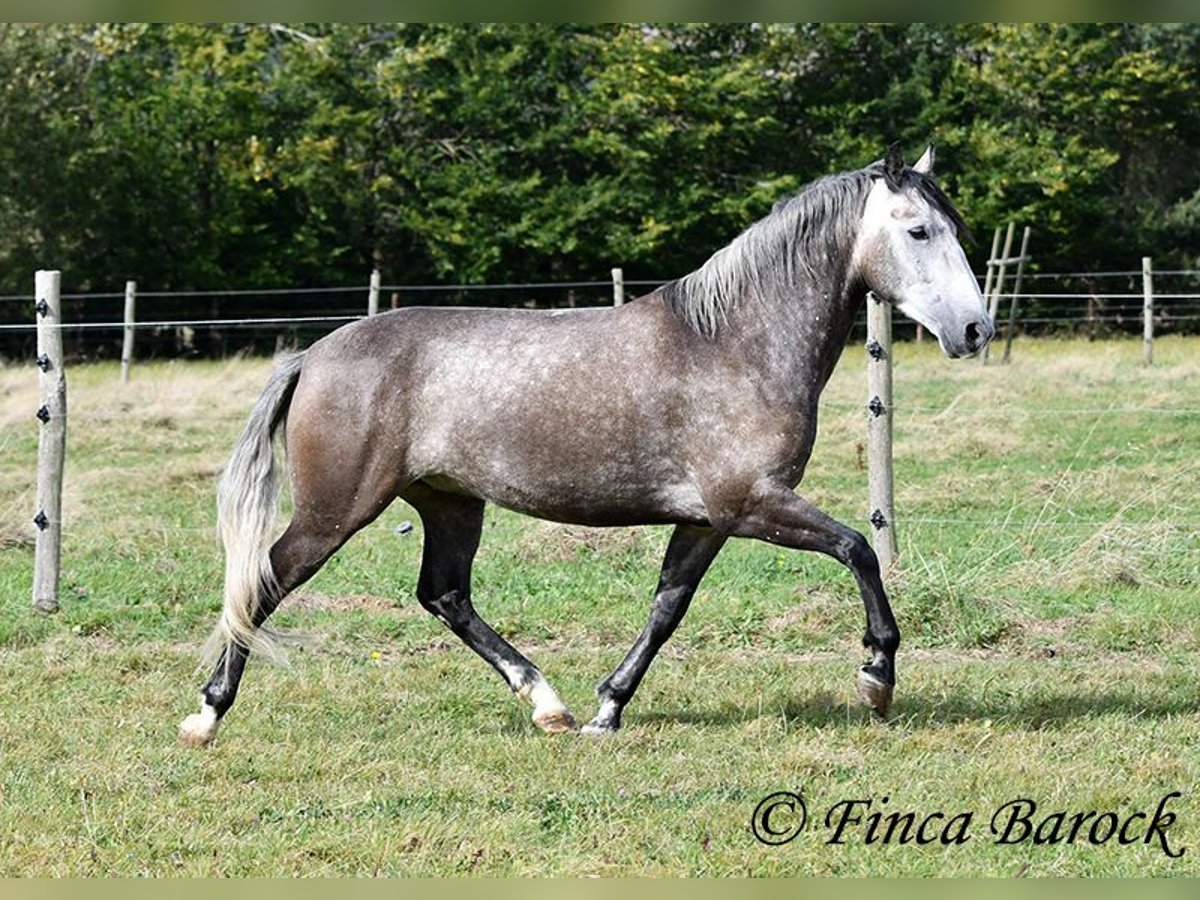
point(974, 337)
point(978, 334)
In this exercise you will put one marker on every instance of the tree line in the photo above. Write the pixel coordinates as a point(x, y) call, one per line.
point(259, 155)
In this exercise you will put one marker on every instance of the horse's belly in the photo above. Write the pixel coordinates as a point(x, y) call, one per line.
point(582, 501)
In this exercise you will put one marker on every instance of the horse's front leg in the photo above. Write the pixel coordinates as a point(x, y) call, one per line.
point(774, 513)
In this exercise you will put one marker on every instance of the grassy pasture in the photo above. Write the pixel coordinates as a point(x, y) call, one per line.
point(1047, 593)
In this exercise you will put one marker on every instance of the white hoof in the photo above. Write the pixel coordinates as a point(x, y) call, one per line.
point(607, 720)
point(556, 721)
point(198, 729)
point(874, 693)
point(549, 712)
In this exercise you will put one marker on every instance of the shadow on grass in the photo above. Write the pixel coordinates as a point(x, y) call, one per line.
point(1053, 707)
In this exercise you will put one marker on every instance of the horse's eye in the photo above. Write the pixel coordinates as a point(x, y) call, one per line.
point(919, 233)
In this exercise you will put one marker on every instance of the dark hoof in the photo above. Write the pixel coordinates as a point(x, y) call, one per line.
point(874, 693)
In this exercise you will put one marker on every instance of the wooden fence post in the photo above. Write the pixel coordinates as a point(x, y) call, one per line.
point(373, 294)
point(127, 334)
point(1012, 306)
point(879, 429)
point(52, 441)
point(991, 266)
point(618, 279)
point(998, 285)
point(1147, 312)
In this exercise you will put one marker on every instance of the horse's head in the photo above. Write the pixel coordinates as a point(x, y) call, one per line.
point(908, 252)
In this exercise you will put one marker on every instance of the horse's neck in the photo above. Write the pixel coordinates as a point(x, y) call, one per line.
point(799, 335)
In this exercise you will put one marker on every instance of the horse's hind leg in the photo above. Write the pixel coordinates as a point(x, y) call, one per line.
point(298, 554)
point(452, 525)
point(688, 557)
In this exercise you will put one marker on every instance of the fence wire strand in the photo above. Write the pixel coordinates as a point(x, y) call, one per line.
point(1169, 308)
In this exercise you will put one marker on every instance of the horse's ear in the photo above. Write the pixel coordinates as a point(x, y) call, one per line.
point(893, 166)
point(924, 165)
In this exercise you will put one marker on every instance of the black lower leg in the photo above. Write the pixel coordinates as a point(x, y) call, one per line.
point(688, 557)
point(222, 687)
point(777, 515)
point(882, 636)
point(454, 610)
point(453, 525)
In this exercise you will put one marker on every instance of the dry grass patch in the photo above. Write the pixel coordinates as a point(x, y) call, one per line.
point(562, 543)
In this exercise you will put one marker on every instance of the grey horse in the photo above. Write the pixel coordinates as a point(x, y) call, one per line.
point(694, 406)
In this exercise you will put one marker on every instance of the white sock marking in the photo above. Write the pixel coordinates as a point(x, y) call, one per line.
point(201, 727)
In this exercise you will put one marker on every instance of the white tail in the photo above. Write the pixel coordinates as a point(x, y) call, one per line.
point(247, 505)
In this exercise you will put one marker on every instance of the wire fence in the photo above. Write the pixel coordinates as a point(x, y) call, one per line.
point(110, 449)
point(92, 324)
point(218, 322)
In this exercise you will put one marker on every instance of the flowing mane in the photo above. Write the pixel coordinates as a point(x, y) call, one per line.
point(812, 229)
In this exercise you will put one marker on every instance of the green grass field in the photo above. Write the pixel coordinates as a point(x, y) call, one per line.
point(1050, 551)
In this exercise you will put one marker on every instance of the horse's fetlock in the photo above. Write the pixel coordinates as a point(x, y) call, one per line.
point(888, 640)
point(885, 640)
point(219, 697)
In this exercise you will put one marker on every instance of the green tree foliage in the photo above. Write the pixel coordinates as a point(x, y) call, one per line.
point(1083, 131)
point(206, 156)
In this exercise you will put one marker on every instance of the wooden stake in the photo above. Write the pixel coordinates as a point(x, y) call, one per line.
point(1147, 312)
point(1012, 306)
point(618, 279)
point(127, 334)
point(373, 294)
point(52, 441)
point(879, 430)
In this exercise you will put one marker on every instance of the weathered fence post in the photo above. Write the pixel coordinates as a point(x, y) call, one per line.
point(1012, 306)
point(373, 294)
point(998, 285)
point(618, 278)
point(1092, 318)
point(52, 441)
point(879, 429)
point(127, 333)
point(1147, 312)
point(991, 266)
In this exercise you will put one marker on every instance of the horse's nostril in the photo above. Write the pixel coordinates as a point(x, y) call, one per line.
point(973, 336)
